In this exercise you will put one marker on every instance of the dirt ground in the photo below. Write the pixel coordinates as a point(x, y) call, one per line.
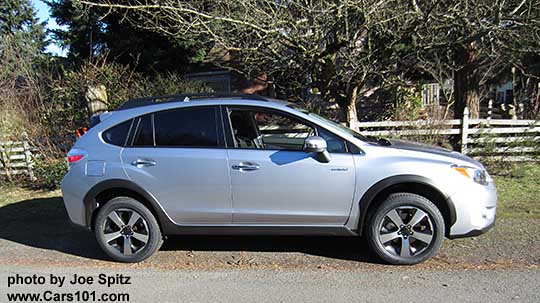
point(37, 232)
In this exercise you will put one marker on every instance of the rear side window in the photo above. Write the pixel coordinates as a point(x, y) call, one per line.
point(117, 135)
point(145, 134)
point(189, 127)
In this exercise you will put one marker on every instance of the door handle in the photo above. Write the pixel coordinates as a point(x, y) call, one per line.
point(143, 162)
point(246, 166)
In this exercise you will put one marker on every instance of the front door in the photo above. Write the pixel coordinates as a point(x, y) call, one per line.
point(178, 156)
point(274, 182)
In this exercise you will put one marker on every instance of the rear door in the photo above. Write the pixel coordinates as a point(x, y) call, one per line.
point(178, 155)
point(274, 182)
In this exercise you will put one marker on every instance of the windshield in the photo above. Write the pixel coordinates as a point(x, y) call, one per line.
point(357, 135)
point(320, 118)
point(342, 127)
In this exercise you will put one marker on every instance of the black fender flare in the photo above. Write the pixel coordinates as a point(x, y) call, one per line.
point(90, 203)
point(369, 197)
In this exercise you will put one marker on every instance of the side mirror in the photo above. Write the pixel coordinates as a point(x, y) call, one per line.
point(315, 144)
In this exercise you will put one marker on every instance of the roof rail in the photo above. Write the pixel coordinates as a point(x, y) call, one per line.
point(138, 102)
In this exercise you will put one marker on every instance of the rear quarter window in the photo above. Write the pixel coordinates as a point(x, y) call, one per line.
point(117, 135)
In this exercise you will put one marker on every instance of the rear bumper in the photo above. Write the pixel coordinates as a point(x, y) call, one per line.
point(74, 186)
point(475, 207)
point(73, 200)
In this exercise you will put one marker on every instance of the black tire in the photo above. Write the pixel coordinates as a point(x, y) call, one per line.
point(405, 248)
point(146, 227)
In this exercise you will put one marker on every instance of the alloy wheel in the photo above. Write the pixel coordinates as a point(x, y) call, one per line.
point(406, 231)
point(126, 231)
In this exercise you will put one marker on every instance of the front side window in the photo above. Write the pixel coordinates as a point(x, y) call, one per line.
point(186, 127)
point(268, 130)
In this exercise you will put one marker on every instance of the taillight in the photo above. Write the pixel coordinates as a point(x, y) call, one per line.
point(75, 155)
point(73, 159)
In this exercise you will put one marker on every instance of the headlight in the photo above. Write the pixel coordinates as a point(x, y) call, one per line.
point(479, 176)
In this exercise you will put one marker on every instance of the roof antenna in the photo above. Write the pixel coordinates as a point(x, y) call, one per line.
point(186, 99)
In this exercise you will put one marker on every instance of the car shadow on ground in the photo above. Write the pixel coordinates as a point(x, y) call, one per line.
point(44, 223)
point(341, 248)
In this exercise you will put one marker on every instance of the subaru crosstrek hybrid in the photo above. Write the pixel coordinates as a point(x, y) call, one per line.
point(245, 164)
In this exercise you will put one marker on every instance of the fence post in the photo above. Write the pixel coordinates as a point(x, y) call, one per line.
point(464, 130)
point(28, 157)
point(490, 111)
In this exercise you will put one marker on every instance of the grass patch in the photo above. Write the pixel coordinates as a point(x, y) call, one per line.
point(518, 187)
point(14, 194)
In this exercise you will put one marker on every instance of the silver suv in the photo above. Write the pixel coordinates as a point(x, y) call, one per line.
point(249, 165)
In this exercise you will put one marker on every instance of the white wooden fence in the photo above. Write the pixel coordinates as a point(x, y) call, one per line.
point(511, 140)
point(506, 139)
point(16, 157)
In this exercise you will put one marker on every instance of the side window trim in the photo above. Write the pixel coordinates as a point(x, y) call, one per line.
point(128, 133)
point(219, 127)
point(230, 139)
point(135, 130)
point(227, 127)
point(153, 129)
point(221, 140)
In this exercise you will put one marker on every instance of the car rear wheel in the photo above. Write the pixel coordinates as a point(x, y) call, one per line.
point(405, 229)
point(127, 231)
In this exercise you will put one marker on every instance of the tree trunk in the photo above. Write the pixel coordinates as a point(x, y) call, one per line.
point(344, 94)
point(96, 99)
point(349, 109)
point(347, 106)
point(466, 87)
point(473, 99)
point(350, 115)
point(466, 93)
point(532, 106)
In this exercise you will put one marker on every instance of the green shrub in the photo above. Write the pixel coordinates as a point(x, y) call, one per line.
point(49, 173)
point(66, 106)
point(169, 84)
point(408, 104)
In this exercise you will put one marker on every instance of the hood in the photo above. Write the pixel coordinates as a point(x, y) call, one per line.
point(434, 150)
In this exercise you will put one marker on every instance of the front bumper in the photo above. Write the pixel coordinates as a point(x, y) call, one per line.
point(475, 207)
point(473, 233)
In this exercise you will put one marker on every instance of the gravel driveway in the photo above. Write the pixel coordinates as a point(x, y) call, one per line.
point(40, 233)
point(409, 285)
point(503, 265)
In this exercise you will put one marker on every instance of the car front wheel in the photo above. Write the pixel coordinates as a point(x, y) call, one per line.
point(405, 229)
point(127, 231)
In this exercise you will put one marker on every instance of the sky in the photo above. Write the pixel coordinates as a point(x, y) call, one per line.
point(42, 11)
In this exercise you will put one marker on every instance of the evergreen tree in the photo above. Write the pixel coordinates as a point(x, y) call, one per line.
point(96, 31)
point(20, 26)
